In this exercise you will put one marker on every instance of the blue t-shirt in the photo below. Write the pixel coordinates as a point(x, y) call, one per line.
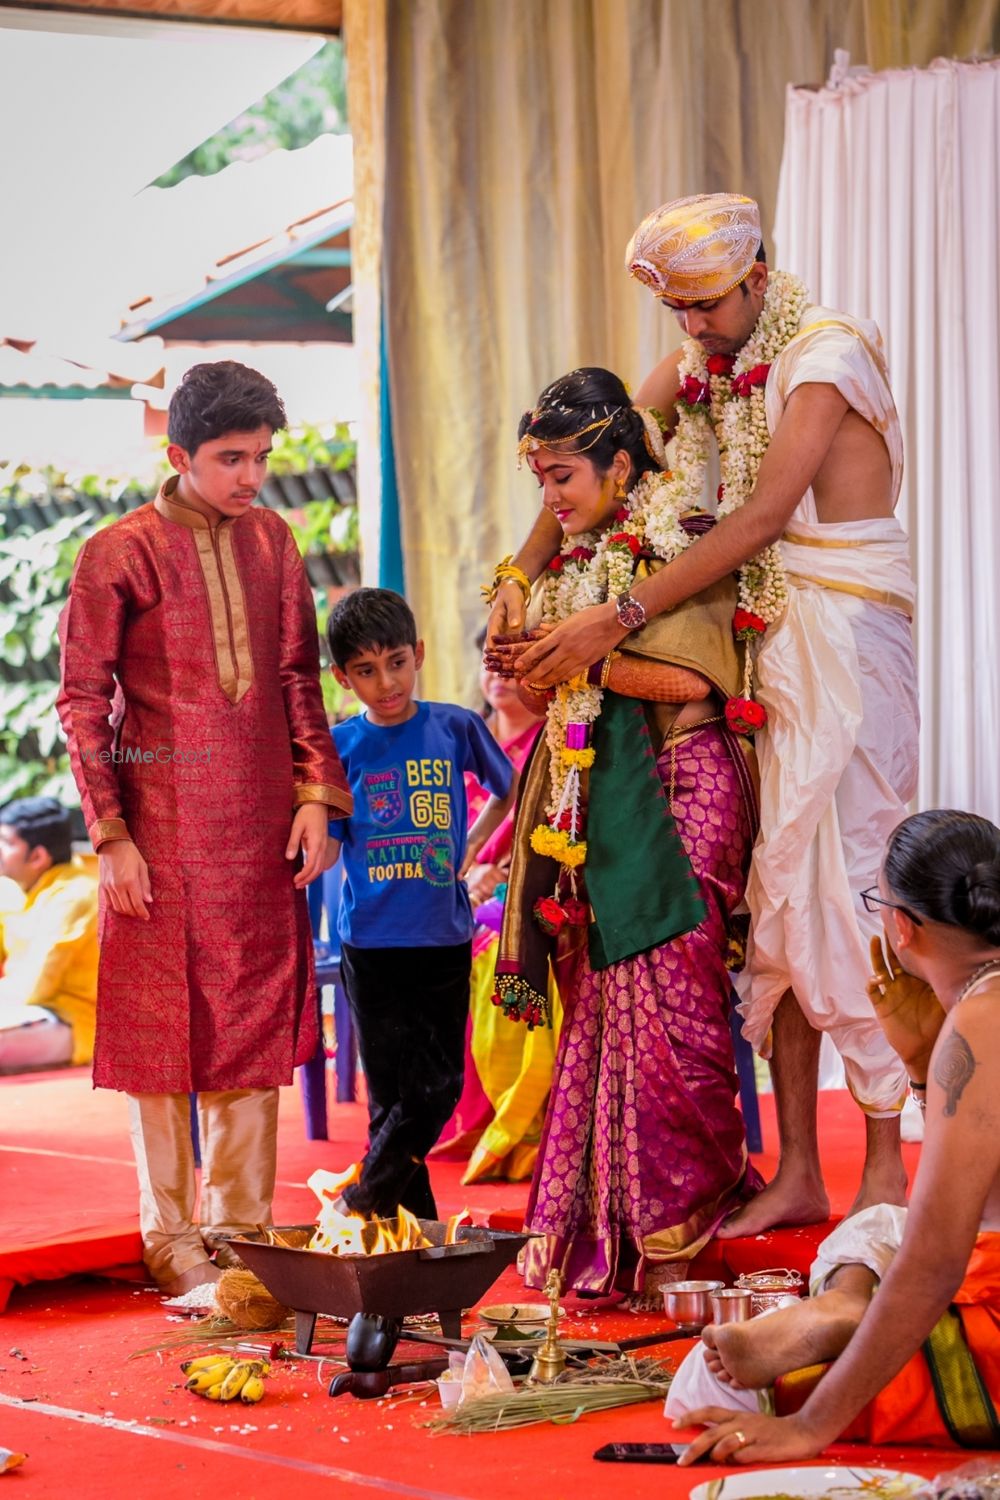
point(406, 838)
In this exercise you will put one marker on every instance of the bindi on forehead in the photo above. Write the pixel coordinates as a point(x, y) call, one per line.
point(553, 460)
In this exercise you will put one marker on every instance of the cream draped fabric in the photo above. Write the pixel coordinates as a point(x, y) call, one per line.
point(523, 142)
point(365, 38)
point(838, 760)
point(890, 205)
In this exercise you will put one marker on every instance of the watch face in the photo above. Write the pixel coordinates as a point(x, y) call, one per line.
point(630, 612)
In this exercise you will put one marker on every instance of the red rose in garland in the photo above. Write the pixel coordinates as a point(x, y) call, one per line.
point(744, 384)
point(577, 912)
point(721, 364)
point(550, 915)
point(744, 716)
point(694, 391)
point(556, 565)
point(626, 539)
point(747, 625)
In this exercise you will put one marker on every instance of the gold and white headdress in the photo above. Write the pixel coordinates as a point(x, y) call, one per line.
point(696, 249)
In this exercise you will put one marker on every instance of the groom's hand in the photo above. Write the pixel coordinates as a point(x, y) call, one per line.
point(571, 646)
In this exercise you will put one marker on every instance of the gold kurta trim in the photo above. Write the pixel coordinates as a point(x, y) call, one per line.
point(223, 589)
point(240, 625)
point(860, 591)
point(332, 796)
point(107, 831)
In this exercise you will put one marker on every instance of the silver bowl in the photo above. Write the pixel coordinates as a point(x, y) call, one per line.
point(686, 1302)
point(732, 1304)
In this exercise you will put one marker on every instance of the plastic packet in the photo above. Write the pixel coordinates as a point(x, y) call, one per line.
point(449, 1383)
point(485, 1373)
point(979, 1479)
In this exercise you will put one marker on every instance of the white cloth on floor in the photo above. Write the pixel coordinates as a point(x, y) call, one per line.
point(838, 758)
point(696, 1385)
point(870, 1238)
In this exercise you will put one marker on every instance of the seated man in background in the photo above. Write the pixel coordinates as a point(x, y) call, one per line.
point(48, 941)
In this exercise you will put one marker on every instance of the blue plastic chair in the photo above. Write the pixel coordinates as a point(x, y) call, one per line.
point(747, 1076)
point(324, 898)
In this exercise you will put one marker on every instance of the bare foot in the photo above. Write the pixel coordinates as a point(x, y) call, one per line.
point(713, 1359)
point(200, 1275)
point(883, 1179)
point(784, 1201)
point(812, 1331)
point(879, 1187)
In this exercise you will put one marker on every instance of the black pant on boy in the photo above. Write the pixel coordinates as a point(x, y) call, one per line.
point(409, 1007)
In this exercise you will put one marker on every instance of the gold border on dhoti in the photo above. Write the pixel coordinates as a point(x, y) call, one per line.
point(860, 591)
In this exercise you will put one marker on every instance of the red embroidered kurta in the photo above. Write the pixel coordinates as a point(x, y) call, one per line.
point(202, 640)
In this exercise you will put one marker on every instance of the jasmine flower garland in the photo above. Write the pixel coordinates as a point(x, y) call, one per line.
point(590, 569)
point(724, 396)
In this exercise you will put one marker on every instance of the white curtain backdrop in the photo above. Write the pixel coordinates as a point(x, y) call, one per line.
point(889, 208)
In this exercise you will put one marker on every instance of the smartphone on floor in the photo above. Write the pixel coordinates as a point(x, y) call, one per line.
point(637, 1453)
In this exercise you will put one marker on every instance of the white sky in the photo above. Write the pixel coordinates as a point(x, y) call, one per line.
point(93, 109)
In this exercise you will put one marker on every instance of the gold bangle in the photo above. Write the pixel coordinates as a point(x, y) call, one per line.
point(507, 569)
point(606, 666)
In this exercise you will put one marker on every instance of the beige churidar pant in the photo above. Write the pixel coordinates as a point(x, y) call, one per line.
point(238, 1133)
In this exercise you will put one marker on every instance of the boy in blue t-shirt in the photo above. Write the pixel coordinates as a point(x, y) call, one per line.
point(405, 917)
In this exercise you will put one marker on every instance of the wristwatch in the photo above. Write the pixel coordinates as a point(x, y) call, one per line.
point(631, 615)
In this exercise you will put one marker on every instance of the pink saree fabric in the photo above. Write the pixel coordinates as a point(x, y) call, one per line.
point(643, 1151)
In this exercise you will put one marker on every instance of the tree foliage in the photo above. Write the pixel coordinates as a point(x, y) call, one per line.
point(312, 102)
point(35, 569)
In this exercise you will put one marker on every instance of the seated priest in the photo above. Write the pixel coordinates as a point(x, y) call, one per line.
point(48, 939)
point(906, 1301)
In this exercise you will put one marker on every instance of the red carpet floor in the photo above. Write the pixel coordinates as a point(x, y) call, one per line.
point(97, 1423)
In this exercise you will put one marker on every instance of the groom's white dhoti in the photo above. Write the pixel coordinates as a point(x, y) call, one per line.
point(838, 759)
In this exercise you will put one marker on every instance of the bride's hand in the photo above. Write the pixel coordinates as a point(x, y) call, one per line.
point(508, 611)
point(503, 653)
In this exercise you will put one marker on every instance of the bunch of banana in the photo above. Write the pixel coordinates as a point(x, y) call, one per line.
point(222, 1378)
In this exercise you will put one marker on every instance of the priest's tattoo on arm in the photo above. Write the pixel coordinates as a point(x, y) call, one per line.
point(953, 1068)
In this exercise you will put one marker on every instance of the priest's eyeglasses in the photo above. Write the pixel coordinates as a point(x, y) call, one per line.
point(873, 901)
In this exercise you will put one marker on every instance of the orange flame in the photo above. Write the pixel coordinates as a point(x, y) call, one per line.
point(340, 1232)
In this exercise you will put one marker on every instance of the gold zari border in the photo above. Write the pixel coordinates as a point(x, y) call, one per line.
point(818, 541)
point(107, 831)
point(877, 596)
point(225, 602)
point(316, 791)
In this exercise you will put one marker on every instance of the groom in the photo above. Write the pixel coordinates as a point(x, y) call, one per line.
point(811, 432)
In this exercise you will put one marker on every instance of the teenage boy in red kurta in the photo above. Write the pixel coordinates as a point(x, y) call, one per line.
point(192, 707)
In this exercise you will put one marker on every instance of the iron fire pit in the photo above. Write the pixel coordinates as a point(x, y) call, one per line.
point(441, 1279)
